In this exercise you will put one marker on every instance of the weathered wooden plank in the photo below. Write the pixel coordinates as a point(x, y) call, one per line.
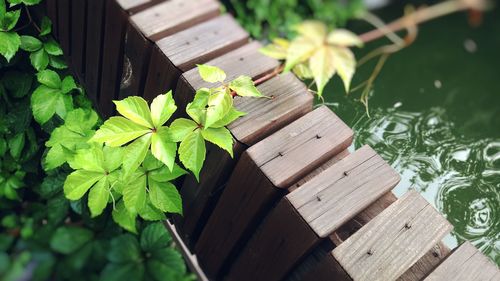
point(117, 13)
point(391, 243)
point(93, 47)
point(151, 25)
point(78, 34)
point(246, 60)
point(466, 263)
point(357, 181)
point(181, 51)
point(329, 189)
point(264, 117)
point(64, 25)
point(251, 191)
point(51, 6)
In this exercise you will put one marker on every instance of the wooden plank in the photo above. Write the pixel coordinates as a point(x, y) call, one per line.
point(391, 243)
point(151, 25)
point(180, 52)
point(93, 48)
point(466, 263)
point(329, 189)
point(78, 34)
point(246, 60)
point(264, 117)
point(52, 14)
point(254, 187)
point(117, 14)
point(64, 25)
point(356, 181)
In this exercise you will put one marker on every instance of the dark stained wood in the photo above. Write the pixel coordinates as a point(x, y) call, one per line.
point(357, 181)
point(64, 25)
point(387, 246)
point(246, 60)
point(319, 197)
point(152, 24)
point(280, 239)
point(180, 52)
point(52, 14)
point(255, 185)
point(324, 268)
point(466, 263)
point(264, 117)
point(78, 34)
point(93, 48)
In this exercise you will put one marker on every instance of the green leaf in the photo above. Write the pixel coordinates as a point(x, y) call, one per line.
point(16, 145)
point(18, 83)
point(135, 154)
point(124, 218)
point(57, 62)
point(219, 104)
point(163, 174)
point(9, 44)
point(244, 86)
point(44, 102)
point(220, 137)
point(197, 108)
point(211, 74)
point(124, 248)
point(123, 271)
point(113, 157)
point(30, 43)
point(322, 66)
point(49, 78)
point(345, 38)
point(192, 152)
point(163, 148)
point(9, 20)
point(68, 84)
point(45, 26)
point(39, 59)
point(180, 128)
point(117, 131)
point(150, 212)
point(162, 108)
point(79, 182)
point(155, 236)
point(52, 48)
point(230, 117)
point(68, 239)
point(299, 51)
point(135, 109)
point(278, 49)
point(98, 197)
point(134, 194)
point(345, 64)
point(81, 120)
point(167, 261)
point(165, 197)
point(57, 209)
point(90, 159)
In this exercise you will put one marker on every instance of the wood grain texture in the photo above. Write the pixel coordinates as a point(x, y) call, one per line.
point(275, 247)
point(246, 60)
point(78, 34)
point(339, 193)
point(134, 6)
point(264, 117)
point(250, 193)
point(391, 243)
point(181, 51)
point(293, 152)
point(173, 16)
point(466, 263)
point(93, 47)
point(64, 21)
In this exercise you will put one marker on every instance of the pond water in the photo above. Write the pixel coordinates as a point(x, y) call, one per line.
point(435, 116)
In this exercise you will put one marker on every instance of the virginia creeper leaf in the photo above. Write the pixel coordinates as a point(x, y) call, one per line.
point(192, 152)
point(211, 74)
point(299, 51)
point(230, 117)
point(220, 137)
point(219, 105)
point(244, 86)
point(322, 67)
point(163, 148)
point(98, 197)
point(345, 64)
point(124, 218)
point(135, 109)
point(165, 197)
point(117, 131)
point(135, 154)
point(180, 128)
point(162, 108)
point(134, 194)
point(79, 182)
point(343, 37)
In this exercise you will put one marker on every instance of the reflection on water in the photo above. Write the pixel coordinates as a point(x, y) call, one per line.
point(460, 176)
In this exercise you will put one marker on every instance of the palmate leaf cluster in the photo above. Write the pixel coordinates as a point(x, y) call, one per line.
point(43, 235)
point(317, 54)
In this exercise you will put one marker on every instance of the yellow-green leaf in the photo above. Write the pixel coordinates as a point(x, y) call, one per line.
point(303, 71)
point(124, 218)
point(163, 148)
point(117, 131)
point(219, 105)
point(180, 128)
point(134, 194)
point(278, 49)
point(79, 182)
point(135, 154)
point(230, 117)
point(211, 74)
point(162, 108)
point(98, 197)
point(165, 197)
point(344, 37)
point(345, 64)
point(220, 137)
point(313, 30)
point(192, 152)
point(244, 86)
point(136, 109)
point(322, 67)
point(300, 50)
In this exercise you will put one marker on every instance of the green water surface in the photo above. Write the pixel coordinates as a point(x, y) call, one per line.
point(435, 116)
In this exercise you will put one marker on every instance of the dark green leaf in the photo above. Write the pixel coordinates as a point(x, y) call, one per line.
point(124, 248)
point(45, 26)
point(155, 236)
point(52, 48)
point(68, 239)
